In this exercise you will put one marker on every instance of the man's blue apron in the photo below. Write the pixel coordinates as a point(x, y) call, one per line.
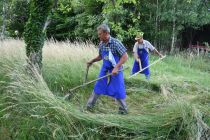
point(144, 57)
point(114, 86)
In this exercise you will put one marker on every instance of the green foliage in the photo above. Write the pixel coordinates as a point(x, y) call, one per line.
point(123, 18)
point(4, 11)
point(33, 34)
point(88, 17)
point(75, 20)
point(63, 22)
point(18, 18)
point(78, 19)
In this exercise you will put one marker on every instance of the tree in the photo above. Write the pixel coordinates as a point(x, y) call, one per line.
point(123, 17)
point(164, 22)
point(75, 19)
point(63, 22)
point(178, 14)
point(88, 17)
point(34, 34)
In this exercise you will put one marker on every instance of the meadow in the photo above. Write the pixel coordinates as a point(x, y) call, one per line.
point(173, 105)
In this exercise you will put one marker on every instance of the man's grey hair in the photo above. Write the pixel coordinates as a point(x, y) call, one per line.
point(104, 28)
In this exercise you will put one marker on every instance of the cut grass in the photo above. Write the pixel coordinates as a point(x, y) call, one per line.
point(174, 104)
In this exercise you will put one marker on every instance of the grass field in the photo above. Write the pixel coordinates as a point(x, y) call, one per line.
point(174, 104)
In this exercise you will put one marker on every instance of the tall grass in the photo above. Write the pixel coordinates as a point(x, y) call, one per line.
point(65, 63)
point(173, 105)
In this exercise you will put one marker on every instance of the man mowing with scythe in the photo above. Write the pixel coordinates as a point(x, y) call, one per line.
point(141, 55)
point(113, 54)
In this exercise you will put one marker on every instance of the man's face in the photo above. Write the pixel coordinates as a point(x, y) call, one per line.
point(140, 40)
point(103, 36)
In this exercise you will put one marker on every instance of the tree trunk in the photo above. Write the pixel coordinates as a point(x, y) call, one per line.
point(173, 38)
point(48, 21)
point(33, 34)
point(156, 24)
